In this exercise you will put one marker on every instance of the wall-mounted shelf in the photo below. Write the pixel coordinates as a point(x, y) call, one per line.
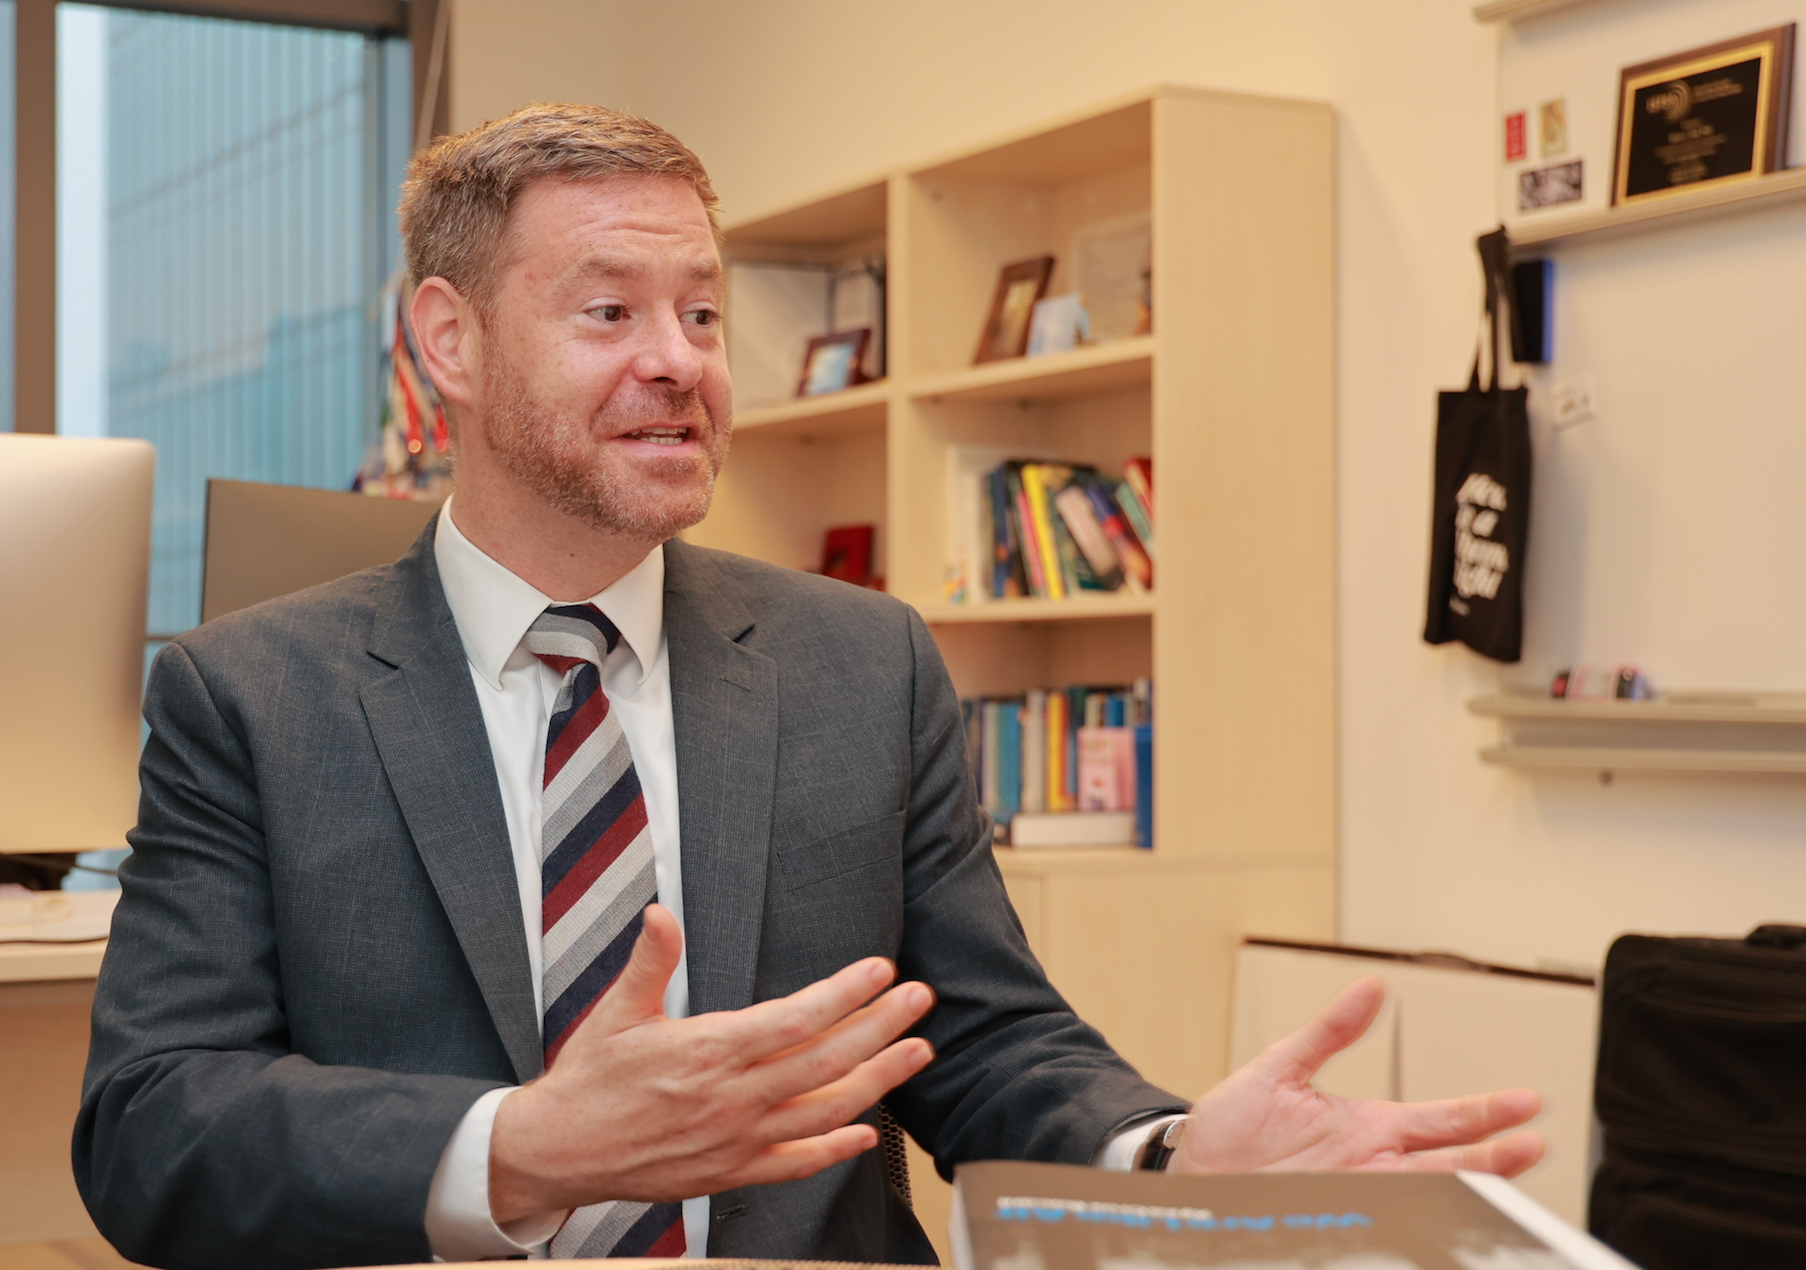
point(1682, 732)
point(1767, 191)
point(1521, 10)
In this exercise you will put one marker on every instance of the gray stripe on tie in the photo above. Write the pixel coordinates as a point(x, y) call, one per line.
point(594, 1230)
point(568, 958)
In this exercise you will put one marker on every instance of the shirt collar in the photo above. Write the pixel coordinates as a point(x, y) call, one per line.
point(493, 606)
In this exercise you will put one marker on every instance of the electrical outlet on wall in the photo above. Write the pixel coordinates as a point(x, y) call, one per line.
point(1573, 402)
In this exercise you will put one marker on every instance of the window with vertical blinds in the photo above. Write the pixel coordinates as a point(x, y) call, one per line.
point(226, 227)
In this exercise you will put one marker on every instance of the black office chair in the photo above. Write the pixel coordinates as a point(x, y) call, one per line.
point(1701, 1093)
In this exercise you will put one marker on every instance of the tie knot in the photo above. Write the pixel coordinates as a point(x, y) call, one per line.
point(567, 634)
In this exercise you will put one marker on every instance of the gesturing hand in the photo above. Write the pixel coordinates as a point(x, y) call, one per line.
point(644, 1107)
point(1267, 1115)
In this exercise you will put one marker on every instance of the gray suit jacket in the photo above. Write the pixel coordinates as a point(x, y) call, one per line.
point(318, 962)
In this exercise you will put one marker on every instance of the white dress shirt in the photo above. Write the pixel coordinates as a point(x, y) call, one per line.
point(493, 609)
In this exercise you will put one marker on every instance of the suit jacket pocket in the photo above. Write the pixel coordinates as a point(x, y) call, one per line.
point(863, 845)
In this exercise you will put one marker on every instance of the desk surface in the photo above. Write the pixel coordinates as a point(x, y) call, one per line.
point(676, 1263)
point(63, 947)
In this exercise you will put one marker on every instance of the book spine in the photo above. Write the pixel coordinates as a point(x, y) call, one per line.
point(1144, 785)
point(1122, 753)
point(1056, 752)
point(1034, 751)
point(1140, 475)
point(992, 764)
point(997, 497)
point(1074, 506)
point(1098, 785)
point(1075, 714)
point(1137, 516)
point(1046, 548)
point(1075, 570)
point(1115, 526)
point(1009, 719)
point(1025, 533)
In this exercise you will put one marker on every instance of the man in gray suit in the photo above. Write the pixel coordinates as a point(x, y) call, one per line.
point(412, 957)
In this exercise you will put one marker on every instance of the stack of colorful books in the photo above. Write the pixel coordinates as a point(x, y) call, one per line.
point(1050, 530)
point(1065, 766)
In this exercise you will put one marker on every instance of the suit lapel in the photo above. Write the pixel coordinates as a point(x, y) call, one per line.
point(429, 732)
point(724, 704)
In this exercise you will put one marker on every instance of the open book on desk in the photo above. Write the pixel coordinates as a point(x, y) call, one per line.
point(1009, 1216)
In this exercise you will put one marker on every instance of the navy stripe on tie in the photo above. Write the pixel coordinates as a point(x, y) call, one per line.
point(610, 633)
point(584, 833)
point(645, 1232)
point(587, 683)
point(588, 985)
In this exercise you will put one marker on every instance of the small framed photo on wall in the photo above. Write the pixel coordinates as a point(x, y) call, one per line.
point(832, 362)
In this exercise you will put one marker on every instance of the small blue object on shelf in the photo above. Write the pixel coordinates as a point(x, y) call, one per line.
point(1144, 785)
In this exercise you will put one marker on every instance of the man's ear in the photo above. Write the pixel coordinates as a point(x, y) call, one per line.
point(446, 332)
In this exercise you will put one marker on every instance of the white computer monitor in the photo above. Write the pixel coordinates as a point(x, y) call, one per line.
point(75, 520)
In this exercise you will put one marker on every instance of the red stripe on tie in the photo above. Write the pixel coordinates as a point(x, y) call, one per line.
point(577, 729)
point(669, 1244)
point(594, 863)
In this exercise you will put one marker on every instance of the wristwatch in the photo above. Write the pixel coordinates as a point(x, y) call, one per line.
point(1159, 1147)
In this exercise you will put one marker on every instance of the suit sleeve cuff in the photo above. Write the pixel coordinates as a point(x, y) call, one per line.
point(1119, 1151)
point(459, 1226)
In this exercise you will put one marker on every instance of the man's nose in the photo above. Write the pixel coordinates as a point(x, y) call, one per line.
point(667, 355)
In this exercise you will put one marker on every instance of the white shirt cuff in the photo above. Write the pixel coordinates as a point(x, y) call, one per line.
point(459, 1226)
point(1120, 1149)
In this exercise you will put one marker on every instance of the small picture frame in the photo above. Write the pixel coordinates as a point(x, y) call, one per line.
point(1020, 286)
point(832, 362)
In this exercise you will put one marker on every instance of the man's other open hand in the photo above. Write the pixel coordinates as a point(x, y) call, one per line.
point(1268, 1116)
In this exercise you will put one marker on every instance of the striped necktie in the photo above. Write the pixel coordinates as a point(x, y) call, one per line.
point(596, 878)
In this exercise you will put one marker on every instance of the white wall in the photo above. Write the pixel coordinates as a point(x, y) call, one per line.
point(1664, 532)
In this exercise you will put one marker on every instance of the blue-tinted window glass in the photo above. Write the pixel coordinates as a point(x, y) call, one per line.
point(224, 305)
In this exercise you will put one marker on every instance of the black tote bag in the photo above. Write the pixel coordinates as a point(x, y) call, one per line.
point(1480, 521)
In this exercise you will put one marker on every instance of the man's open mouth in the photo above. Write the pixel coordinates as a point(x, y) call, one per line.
point(664, 435)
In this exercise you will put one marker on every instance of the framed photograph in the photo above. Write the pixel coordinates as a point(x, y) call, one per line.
point(1020, 286)
point(1710, 116)
point(832, 362)
point(1552, 186)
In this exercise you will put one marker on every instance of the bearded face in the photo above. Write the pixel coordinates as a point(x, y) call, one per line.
point(604, 466)
point(601, 384)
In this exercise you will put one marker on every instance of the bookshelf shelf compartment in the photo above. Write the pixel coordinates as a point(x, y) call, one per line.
point(1076, 609)
point(852, 410)
point(1083, 372)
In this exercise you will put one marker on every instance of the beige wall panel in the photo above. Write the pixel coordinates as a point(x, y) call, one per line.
point(1245, 479)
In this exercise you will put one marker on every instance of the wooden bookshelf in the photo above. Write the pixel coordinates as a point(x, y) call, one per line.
point(1233, 395)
